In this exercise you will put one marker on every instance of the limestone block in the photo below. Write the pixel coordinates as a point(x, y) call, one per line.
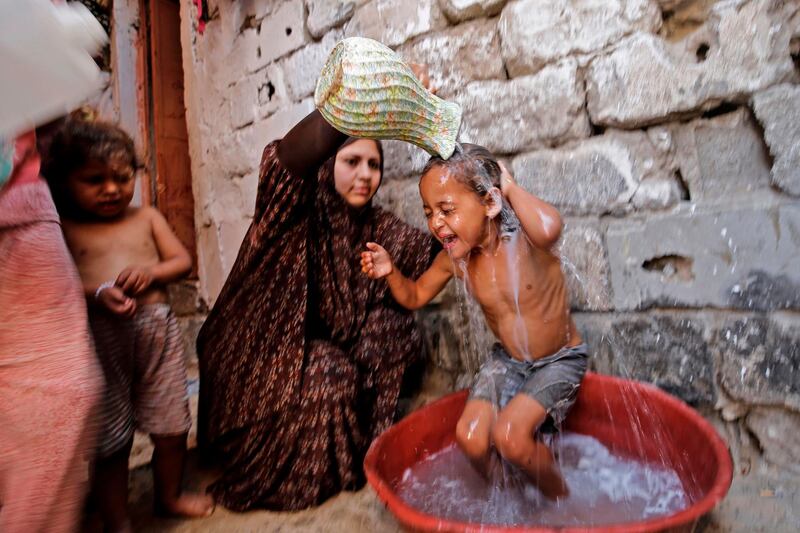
point(778, 434)
point(778, 111)
point(460, 10)
point(403, 160)
point(441, 339)
point(585, 266)
point(458, 55)
point(721, 157)
point(281, 32)
point(209, 263)
point(184, 298)
point(244, 102)
point(538, 32)
point(726, 256)
point(393, 23)
point(671, 4)
point(230, 62)
point(302, 68)
point(761, 360)
point(255, 8)
point(743, 48)
point(527, 112)
point(401, 197)
point(190, 327)
point(239, 153)
point(278, 124)
point(597, 176)
point(670, 350)
point(272, 93)
point(324, 15)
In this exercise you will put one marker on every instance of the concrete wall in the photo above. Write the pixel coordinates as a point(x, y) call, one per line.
point(667, 133)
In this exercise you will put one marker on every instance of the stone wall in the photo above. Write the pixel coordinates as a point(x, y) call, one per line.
point(667, 132)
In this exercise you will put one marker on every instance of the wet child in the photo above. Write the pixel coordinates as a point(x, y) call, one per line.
point(499, 239)
point(125, 255)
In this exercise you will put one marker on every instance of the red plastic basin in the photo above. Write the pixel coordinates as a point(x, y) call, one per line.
point(632, 419)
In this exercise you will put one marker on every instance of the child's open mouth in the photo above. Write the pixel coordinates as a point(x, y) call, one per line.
point(449, 241)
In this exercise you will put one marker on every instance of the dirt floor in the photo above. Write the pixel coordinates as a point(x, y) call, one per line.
point(762, 498)
point(754, 504)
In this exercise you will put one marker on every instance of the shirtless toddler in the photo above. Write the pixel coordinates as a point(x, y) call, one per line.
point(499, 238)
point(125, 255)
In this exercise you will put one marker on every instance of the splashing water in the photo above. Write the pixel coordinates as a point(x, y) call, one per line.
point(604, 489)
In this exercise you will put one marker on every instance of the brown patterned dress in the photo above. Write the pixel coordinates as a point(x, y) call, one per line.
point(301, 358)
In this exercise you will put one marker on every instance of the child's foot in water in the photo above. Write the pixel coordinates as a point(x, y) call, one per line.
point(187, 506)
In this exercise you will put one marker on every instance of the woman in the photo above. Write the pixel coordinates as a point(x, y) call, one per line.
point(302, 357)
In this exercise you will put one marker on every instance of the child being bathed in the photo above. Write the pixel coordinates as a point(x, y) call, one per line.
point(531, 378)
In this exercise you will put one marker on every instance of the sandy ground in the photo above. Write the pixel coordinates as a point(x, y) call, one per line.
point(761, 501)
point(762, 498)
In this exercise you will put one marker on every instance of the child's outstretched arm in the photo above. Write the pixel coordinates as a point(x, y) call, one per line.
point(376, 263)
point(174, 264)
point(540, 220)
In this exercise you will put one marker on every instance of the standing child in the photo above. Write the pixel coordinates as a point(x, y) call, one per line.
point(533, 375)
point(125, 256)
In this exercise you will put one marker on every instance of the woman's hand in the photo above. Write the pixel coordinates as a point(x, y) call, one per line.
point(376, 263)
point(113, 299)
point(134, 280)
point(420, 70)
point(506, 180)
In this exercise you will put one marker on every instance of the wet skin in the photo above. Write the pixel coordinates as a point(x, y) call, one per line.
point(518, 282)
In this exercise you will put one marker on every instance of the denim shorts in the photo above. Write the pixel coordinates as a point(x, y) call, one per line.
point(553, 381)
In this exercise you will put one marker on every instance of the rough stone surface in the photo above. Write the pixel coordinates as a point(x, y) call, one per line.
point(527, 112)
point(538, 32)
point(761, 360)
point(778, 434)
point(392, 23)
point(742, 257)
point(723, 247)
point(230, 61)
point(282, 32)
point(585, 265)
point(721, 157)
point(184, 298)
point(458, 55)
point(324, 15)
point(742, 49)
point(461, 10)
point(277, 125)
point(403, 160)
point(670, 350)
point(683, 17)
point(401, 197)
point(302, 68)
point(778, 111)
point(596, 176)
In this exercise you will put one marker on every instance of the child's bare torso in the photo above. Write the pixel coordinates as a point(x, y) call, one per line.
point(523, 295)
point(104, 249)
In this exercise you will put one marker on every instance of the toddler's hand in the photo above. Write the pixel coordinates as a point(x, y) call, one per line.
point(376, 263)
point(115, 301)
point(506, 180)
point(134, 280)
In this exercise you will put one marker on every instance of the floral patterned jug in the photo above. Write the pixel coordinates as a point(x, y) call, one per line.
point(365, 90)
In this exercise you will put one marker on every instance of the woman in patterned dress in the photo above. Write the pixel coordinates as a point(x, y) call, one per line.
point(302, 356)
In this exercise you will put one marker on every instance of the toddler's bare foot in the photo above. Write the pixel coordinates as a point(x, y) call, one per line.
point(187, 506)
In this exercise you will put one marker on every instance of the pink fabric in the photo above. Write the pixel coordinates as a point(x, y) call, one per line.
point(49, 378)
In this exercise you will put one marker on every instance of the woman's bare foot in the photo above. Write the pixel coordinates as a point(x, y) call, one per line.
point(187, 506)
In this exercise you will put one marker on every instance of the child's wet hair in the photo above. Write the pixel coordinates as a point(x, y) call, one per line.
point(77, 142)
point(476, 167)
